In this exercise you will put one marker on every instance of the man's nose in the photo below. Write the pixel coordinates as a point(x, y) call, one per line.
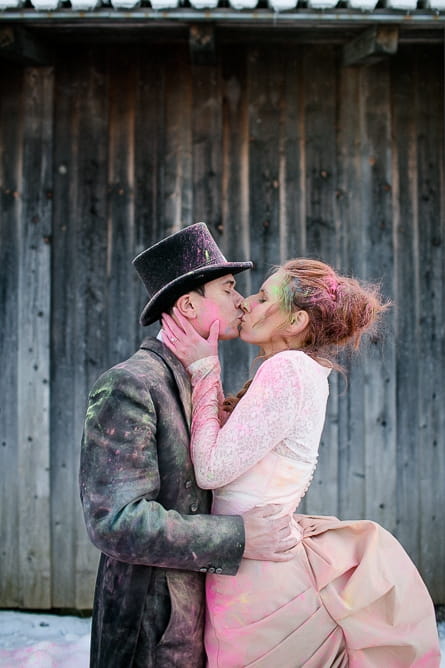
point(238, 299)
point(245, 306)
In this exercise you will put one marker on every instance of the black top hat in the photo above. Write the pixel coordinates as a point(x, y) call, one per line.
point(183, 261)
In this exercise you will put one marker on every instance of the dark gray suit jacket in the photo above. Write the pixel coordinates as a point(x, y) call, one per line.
point(145, 513)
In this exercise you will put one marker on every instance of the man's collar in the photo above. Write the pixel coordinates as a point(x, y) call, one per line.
point(177, 368)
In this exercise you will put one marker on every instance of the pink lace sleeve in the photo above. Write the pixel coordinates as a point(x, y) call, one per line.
point(259, 422)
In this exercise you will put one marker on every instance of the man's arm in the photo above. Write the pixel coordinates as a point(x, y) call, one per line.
point(120, 483)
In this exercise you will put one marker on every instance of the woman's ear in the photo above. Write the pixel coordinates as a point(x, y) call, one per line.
point(299, 322)
point(186, 306)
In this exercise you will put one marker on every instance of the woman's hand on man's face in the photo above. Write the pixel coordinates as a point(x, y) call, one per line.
point(184, 341)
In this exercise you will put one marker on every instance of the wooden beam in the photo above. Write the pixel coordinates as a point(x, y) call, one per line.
point(371, 46)
point(20, 45)
point(202, 44)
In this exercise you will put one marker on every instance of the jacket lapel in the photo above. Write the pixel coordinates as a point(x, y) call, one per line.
point(176, 367)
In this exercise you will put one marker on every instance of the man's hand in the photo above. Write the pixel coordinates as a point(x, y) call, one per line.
point(185, 342)
point(268, 536)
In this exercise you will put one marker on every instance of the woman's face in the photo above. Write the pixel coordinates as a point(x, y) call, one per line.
point(264, 323)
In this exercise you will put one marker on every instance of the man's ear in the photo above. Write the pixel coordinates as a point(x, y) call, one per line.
point(299, 322)
point(186, 306)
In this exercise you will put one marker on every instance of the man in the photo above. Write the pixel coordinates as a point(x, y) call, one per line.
point(142, 506)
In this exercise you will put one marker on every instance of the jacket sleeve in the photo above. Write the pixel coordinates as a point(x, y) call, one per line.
point(120, 484)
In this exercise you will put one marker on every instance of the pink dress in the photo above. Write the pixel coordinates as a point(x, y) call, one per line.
point(351, 596)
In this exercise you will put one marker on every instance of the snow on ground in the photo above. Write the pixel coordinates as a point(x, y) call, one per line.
point(40, 640)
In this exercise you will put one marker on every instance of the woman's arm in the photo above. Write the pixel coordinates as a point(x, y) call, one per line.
point(261, 419)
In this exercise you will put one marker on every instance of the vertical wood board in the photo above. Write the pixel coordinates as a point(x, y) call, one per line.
point(430, 151)
point(379, 364)
point(406, 299)
point(349, 226)
point(33, 367)
point(10, 187)
point(235, 196)
point(320, 100)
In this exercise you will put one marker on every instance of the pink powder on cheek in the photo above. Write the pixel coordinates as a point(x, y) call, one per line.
point(211, 311)
point(226, 314)
point(208, 314)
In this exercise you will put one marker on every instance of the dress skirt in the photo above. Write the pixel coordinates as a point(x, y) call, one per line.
point(350, 597)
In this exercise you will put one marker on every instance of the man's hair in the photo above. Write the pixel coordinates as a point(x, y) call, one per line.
point(200, 289)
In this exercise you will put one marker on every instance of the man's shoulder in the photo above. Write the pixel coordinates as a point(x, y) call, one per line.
point(145, 363)
point(150, 350)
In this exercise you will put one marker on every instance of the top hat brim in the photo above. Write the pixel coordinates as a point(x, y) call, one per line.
point(170, 292)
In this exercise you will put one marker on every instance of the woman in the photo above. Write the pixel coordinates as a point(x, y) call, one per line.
point(351, 596)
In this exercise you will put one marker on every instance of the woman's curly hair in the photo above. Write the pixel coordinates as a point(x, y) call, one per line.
point(340, 309)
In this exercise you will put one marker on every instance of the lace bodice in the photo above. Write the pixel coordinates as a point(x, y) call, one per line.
point(275, 427)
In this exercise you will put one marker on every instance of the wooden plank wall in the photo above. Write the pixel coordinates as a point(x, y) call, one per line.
point(284, 153)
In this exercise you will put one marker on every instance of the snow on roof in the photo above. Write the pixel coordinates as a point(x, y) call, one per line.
point(273, 6)
point(239, 5)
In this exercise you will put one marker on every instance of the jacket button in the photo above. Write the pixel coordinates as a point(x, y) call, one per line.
point(211, 570)
point(218, 571)
point(194, 507)
point(188, 484)
point(203, 570)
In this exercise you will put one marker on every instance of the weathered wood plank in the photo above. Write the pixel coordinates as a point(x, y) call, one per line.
point(149, 163)
point(11, 80)
point(265, 90)
point(406, 298)
point(67, 347)
point(350, 216)
point(34, 266)
point(80, 314)
point(431, 434)
point(64, 339)
point(320, 99)
point(91, 279)
point(292, 165)
point(235, 196)
point(379, 362)
point(121, 202)
point(206, 123)
point(177, 209)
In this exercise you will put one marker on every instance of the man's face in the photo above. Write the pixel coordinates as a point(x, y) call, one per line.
point(220, 302)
